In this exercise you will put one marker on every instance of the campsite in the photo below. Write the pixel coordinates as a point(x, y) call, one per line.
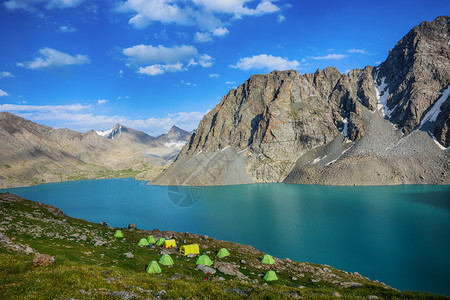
point(92, 261)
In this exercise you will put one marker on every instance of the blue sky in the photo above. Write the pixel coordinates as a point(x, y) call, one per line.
point(150, 64)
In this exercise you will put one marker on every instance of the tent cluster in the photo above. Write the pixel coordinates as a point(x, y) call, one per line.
point(166, 260)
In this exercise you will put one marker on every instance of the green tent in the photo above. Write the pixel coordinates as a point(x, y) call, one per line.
point(166, 260)
point(267, 259)
point(160, 242)
point(204, 260)
point(153, 268)
point(222, 253)
point(118, 234)
point(143, 242)
point(270, 276)
point(151, 239)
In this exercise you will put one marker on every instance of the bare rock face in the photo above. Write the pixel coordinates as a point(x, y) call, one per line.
point(312, 128)
point(416, 71)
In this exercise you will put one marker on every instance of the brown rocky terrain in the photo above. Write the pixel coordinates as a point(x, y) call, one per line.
point(31, 153)
point(371, 126)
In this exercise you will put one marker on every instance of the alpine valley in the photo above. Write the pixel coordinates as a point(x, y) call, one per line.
point(34, 154)
point(379, 125)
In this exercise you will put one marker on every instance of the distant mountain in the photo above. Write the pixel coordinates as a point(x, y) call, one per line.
point(175, 137)
point(120, 132)
point(31, 153)
point(380, 125)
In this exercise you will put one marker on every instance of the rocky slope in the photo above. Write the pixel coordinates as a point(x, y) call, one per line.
point(370, 126)
point(31, 153)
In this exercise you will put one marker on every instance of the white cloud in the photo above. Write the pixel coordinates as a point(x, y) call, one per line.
point(102, 101)
point(3, 93)
point(165, 59)
point(205, 61)
point(281, 18)
point(360, 51)
point(78, 117)
point(160, 69)
point(214, 75)
point(5, 74)
point(44, 108)
point(330, 56)
point(202, 37)
point(204, 14)
point(66, 29)
point(220, 31)
point(51, 58)
point(230, 82)
point(120, 73)
point(34, 5)
point(237, 6)
point(264, 61)
point(145, 54)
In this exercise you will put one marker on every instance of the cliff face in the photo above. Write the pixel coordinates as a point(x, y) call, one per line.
point(284, 126)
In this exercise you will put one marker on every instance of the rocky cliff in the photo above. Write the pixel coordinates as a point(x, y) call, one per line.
point(370, 126)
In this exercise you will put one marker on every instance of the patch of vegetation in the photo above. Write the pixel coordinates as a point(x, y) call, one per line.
point(7, 166)
point(90, 263)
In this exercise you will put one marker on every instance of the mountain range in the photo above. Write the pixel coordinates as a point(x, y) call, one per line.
point(31, 153)
point(374, 126)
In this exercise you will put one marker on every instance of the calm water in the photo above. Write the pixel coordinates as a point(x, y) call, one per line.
point(399, 235)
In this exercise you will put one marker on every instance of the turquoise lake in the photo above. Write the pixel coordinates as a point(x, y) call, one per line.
point(399, 235)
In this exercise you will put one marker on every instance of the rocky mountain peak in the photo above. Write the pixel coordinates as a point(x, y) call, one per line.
point(270, 128)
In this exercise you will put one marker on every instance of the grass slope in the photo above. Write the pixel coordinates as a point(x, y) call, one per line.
point(90, 263)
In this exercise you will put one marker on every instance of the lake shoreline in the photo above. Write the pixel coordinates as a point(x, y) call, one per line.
point(307, 277)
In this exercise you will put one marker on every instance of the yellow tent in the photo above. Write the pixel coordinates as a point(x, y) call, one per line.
point(190, 249)
point(170, 244)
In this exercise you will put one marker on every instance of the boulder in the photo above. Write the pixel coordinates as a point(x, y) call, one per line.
point(132, 227)
point(42, 260)
point(205, 269)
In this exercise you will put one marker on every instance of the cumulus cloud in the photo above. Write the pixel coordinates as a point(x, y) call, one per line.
point(264, 61)
point(202, 37)
point(145, 54)
point(102, 101)
point(207, 15)
point(80, 117)
point(34, 5)
point(220, 31)
point(159, 60)
point(360, 51)
point(51, 58)
point(330, 56)
point(160, 69)
point(3, 93)
point(5, 74)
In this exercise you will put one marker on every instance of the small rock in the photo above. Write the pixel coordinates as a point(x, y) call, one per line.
point(294, 278)
point(206, 237)
point(175, 276)
point(336, 294)
point(128, 254)
point(191, 255)
point(372, 297)
point(255, 281)
point(287, 260)
point(132, 226)
point(221, 278)
point(314, 280)
point(326, 269)
point(162, 292)
point(205, 269)
point(243, 262)
point(42, 260)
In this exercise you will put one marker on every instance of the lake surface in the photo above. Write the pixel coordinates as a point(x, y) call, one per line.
point(399, 235)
